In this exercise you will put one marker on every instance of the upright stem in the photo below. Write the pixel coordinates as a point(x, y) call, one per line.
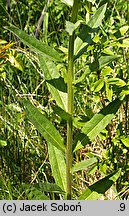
point(70, 101)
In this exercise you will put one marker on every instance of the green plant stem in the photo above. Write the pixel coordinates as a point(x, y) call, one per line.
point(70, 102)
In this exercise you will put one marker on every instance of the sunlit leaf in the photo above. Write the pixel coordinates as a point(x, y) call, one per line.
point(97, 18)
point(3, 143)
point(3, 41)
point(116, 81)
point(125, 140)
point(99, 121)
point(109, 92)
point(68, 2)
point(14, 62)
point(98, 85)
point(123, 30)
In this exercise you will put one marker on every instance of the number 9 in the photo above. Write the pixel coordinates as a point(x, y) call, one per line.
point(122, 206)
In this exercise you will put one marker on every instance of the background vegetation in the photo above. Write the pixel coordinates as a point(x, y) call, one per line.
point(101, 76)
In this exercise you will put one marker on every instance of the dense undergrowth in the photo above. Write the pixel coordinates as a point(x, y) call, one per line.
point(101, 85)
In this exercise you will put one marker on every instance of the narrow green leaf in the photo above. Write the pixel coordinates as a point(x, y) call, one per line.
point(58, 166)
point(96, 124)
point(14, 62)
point(49, 187)
point(3, 42)
point(124, 92)
point(34, 44)
point(55, 82)
point(97, 190)
point(85, 37)
point(44, 126)
point(125, 43)
point(83, 164)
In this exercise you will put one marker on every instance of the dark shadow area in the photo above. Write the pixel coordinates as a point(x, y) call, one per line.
point(58, 83)
point(94, 66)
point(102, 185)
point(111, 108)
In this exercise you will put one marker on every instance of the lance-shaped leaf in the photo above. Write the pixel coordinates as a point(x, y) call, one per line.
point(49, 187)
point(44, 126)
point(44, 187)
point(34, 193)
point(85, 37)
point(97, 190)
point(58, 166)
point(34, 44)
point(97, 18)
point(83, 164)
point(96, 124)
point(55, 82)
